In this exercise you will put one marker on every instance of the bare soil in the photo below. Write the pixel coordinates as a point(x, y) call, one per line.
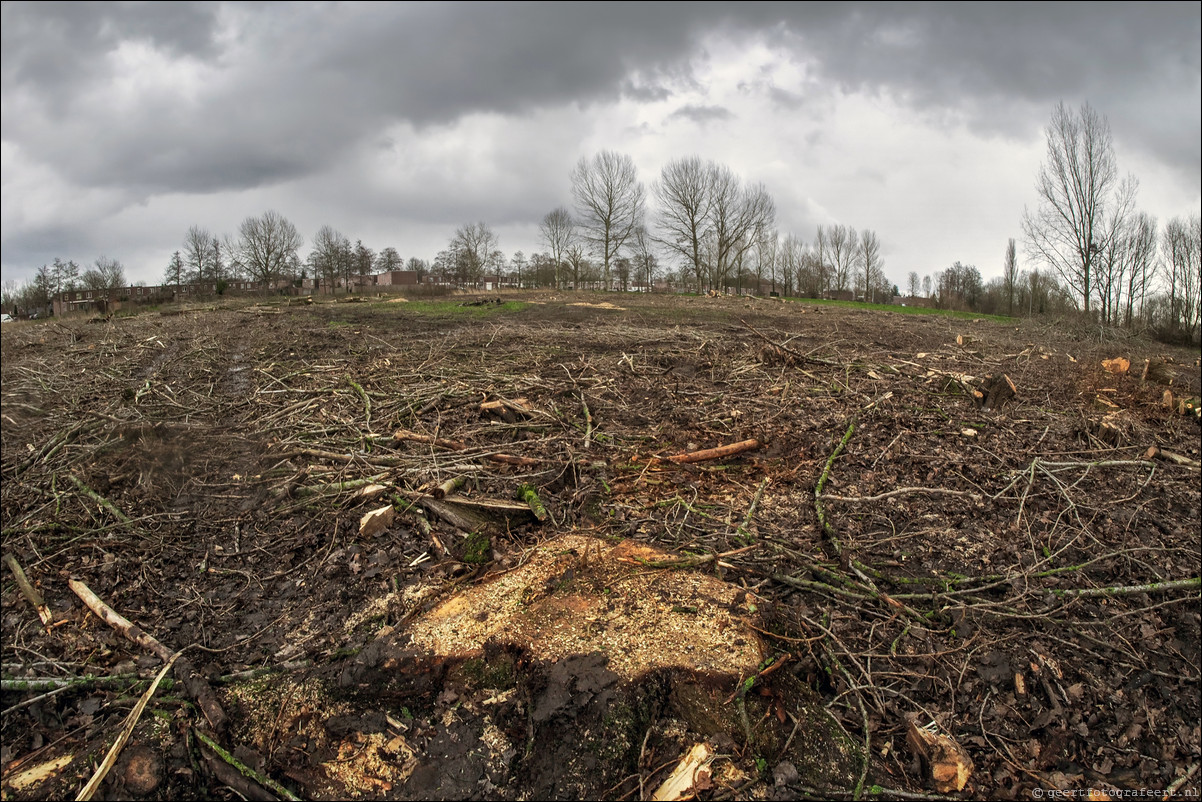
point(1025, 576)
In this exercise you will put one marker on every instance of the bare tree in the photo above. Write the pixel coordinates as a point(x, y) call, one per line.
point(1114, 255)
point(645, 260)
point(519, 263)
point(198, 244)
point(609, 203)
point(843, 244)
point(330, 249)
point(798, 268)
point(266, 246)
point(175, 270)
point(578, 264)
point(685, 197)
point(105, 274)
point(914, 283)
point(364, 258)
point(736, 214)
point(472, 249)
point(558, 231)
point(872, 263)
point(1142, 241)
point(1009, 275)
point(1182, 246)
point(1073, 188)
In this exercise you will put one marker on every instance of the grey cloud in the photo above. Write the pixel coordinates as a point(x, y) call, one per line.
point(701, 114)
point(296, 85)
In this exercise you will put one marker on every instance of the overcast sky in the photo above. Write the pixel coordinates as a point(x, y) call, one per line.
point(126, 123)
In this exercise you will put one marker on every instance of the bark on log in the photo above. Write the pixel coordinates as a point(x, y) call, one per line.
point(707, 454)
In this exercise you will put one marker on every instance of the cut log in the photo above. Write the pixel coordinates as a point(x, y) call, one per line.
point(490, 516)
point(691, 775)
point(946, 762)
point(1119, 365)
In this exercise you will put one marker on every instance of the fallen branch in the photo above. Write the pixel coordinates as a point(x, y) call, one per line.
point(29, 591)
point(193, 681)
point(358, 388)
point(899, 491)
point(706, 454)
point(786, 349)
point(1126, 590)
point(99, 499)
point(827, 529)
point(243, 769)
point(404, 435)
point(528, 494)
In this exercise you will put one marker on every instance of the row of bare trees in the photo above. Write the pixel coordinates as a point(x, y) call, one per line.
point(34, 296)
point(718, 230)
point(1086, 228)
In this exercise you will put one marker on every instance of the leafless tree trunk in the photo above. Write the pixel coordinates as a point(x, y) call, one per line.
point(914, 283)
point(1073, 187)
point(1009, 275)
point(558, 232)
point(872, 262)
point(609, 202)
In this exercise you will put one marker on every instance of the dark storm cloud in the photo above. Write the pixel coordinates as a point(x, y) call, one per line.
point(122, 103)
point(283, 89)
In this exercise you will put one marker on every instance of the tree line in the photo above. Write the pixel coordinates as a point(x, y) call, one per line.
point(701, 227)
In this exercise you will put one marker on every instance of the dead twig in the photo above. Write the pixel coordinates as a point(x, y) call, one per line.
point(29, 591)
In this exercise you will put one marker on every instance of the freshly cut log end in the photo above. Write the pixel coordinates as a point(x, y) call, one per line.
point(946, 762)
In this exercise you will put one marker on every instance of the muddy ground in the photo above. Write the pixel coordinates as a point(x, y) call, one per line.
point(1021, 573)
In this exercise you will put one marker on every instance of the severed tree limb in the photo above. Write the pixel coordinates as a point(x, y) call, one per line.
point(29, 591)
point(706, 454)
point(1123, 590)
point(192, 680)
point(827, 529)
point(404, 435)
point(244, 770)
point(898, 492)
point(358, 388)
point(99, 499)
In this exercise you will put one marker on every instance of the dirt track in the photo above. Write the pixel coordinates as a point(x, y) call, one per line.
point(960, 578)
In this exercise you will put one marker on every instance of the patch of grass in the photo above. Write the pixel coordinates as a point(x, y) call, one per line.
point(904, 310)
point(339, 324)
